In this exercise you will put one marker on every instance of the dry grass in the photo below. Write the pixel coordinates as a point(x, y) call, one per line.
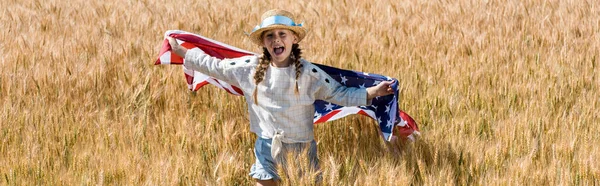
point(506, 92)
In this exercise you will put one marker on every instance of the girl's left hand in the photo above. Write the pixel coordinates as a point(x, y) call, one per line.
point(382, 89)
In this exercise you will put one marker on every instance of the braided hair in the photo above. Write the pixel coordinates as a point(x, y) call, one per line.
point(264, 63)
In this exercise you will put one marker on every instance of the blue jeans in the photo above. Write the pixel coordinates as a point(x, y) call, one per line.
point(265, 167)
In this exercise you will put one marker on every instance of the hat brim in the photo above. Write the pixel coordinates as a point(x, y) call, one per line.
point(256, 35)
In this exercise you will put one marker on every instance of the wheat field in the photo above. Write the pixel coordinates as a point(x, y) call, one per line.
point(505, 92)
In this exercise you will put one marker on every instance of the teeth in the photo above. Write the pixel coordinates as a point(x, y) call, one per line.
point(278, 50)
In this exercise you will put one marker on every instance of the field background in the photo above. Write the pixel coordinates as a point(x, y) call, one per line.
point(505, 92)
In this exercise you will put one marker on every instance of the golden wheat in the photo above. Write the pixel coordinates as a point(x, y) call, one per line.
point(505, 92)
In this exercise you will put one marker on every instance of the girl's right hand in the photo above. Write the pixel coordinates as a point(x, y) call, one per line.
point(176, 48)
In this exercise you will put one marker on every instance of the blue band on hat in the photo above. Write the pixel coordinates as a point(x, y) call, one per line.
point(276, 20)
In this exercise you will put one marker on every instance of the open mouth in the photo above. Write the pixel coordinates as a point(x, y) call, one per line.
point(278, 50)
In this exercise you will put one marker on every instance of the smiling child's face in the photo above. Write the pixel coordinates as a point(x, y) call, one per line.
point(279, 44)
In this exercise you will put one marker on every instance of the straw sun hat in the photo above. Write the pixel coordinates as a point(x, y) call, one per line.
point(274, 19)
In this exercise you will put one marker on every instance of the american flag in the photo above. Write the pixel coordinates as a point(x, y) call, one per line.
point(383, 109)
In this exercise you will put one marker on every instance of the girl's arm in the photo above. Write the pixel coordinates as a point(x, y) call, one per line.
point(332, 91)
point(199, 61)
point(382, 89)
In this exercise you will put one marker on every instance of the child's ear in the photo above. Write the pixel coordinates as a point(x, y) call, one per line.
point(295, 39)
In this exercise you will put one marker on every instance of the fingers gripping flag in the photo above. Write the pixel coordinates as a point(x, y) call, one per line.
point(383, 109)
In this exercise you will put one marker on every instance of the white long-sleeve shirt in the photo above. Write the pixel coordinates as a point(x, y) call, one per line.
point(279, 110)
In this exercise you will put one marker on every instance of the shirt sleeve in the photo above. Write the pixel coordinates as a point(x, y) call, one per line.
point(328, 89)
point(196, 59)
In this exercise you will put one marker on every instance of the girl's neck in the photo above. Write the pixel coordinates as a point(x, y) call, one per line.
point(286, 63)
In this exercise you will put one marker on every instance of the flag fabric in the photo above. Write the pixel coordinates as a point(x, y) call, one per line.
point(383, 109)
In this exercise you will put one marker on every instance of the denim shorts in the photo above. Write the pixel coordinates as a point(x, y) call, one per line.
point(265, 167)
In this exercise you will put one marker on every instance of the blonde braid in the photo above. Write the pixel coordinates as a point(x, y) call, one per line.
point(261, 68)
point(296, 52)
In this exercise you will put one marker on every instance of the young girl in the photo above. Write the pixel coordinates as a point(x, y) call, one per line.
point(280, 88)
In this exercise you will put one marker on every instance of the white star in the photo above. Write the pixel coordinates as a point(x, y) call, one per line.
point(378, 119)
point(402, 123)
point(343, 79)
point(376, 82)
point(366, 74)
point(389, 124)
point(329, 106)
point(387, 109)
point(362, 86)
point(374, 107)
point(317, 115)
